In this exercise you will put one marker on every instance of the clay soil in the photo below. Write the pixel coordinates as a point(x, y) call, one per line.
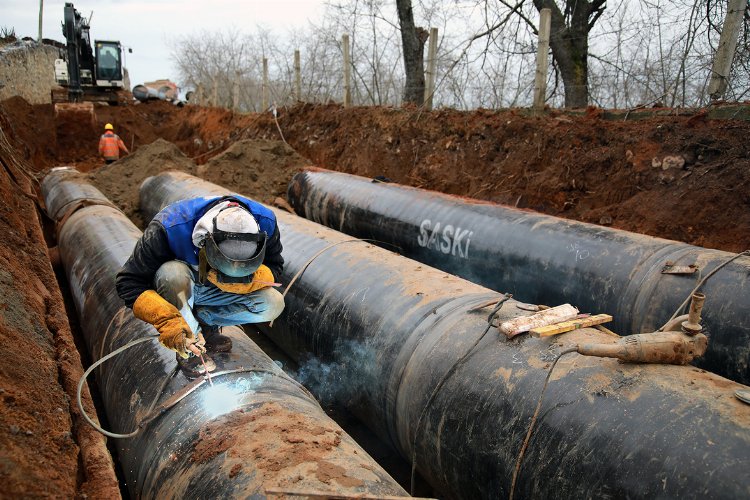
point(685, 178)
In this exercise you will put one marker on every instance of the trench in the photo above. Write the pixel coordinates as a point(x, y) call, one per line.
point(448, 472)
point(438, 454)
point(387, 457)
point(333, 137)
point(75, 328)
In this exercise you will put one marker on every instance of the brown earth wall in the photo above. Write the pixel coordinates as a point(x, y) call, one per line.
point(46, 449)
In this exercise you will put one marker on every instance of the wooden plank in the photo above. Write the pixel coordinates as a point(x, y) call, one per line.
point(570, 325)
point(551, 316)
point(606, 330)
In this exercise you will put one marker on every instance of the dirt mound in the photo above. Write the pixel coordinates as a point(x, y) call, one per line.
point(683, 177)
point(121, 180)
point(75, 127)
point(259, 169)
point(256, 168)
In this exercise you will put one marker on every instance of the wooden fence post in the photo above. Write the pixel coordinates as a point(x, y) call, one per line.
point(41, 10)
point(727, 45)
point(429, 90)
point(297, 76)
point(347, 72)
point(540, 79)
point(201, 95)
point(264, 101)
point(236, 92)
point(215, 97)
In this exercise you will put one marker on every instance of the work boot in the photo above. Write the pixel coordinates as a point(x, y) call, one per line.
point(192, 367)
point(215, 341)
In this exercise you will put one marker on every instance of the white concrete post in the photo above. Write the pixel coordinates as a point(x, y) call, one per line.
point(347, 72)
point(727, 46)
point(429, 90)
point(297, 77)
point(540, 79)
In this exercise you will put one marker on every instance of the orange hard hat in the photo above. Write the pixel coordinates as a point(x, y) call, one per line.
point(108, 127)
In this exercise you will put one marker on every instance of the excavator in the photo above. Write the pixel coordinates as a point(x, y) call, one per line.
point(88, 73)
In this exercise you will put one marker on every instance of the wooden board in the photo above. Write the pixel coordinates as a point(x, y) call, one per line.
point(570, 325)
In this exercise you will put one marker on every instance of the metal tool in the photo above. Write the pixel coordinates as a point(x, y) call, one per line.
point(198, 352)
point(674, 348)
point(677, 348)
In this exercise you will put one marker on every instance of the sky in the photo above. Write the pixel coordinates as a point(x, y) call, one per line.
point(147, 26)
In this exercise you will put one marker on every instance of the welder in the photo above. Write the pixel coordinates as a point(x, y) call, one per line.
point(201, 264)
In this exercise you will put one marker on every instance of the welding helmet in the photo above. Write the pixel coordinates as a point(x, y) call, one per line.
point(234, 244)
point(108, 127)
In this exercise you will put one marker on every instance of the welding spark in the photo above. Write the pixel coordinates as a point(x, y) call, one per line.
point(220, 399)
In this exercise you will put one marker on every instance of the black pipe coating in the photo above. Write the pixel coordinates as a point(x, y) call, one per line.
point(386, 330)
point(252, 430)
point(543, 259)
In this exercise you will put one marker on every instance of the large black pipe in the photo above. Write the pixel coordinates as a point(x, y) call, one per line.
point(388, 329)
point(543, 259)
point(254, 429)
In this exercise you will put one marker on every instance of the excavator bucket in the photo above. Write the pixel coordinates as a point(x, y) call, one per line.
point(74, 121)
point(79, 112)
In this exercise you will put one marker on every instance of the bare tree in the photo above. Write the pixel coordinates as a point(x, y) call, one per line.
point(636, 53)
point(569, 41)
point(413, 39)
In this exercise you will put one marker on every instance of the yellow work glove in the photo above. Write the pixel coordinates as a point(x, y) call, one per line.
point(262, 278)
point(174, 332)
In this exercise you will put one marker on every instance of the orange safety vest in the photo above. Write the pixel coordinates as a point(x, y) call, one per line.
point(110, 145)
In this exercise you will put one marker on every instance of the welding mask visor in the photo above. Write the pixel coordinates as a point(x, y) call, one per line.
point(235, 254)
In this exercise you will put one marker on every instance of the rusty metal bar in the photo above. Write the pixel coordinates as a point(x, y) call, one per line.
point(256, 428)
point(403, 345)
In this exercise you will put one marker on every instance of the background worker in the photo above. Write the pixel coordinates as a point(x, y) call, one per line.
point(201, 264)
point(110, 145)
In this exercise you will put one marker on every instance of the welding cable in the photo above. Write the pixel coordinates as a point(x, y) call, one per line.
point(92, 368)
point(317, 254)
point(442, 381)
point(276, 120)
point(176, 398)
point(525, 444)
point(700, 284)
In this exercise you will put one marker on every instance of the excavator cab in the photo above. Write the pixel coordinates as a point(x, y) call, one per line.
point(108, 64)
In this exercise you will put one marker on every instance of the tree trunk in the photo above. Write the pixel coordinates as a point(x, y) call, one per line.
point(569, 41)
point(413, 39)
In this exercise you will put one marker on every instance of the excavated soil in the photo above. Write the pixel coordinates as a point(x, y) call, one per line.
point(685, 178)
point(682, 177)
point(45, 449)
point(286, 441)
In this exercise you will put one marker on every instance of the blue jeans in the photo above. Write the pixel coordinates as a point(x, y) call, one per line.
point(206, 304)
